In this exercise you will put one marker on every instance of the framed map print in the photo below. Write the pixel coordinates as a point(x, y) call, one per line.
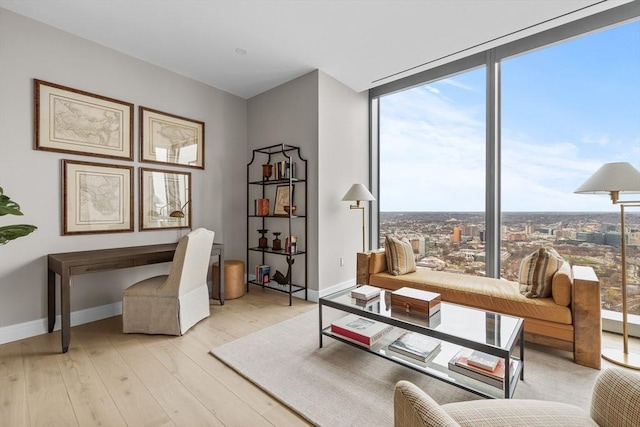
point(170, 139)
point(96, 198)
point(73, 121)
point(165, 199)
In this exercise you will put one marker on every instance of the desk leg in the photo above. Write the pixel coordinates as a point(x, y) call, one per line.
point(51, 297)
point(65, 309)
point(221, 278)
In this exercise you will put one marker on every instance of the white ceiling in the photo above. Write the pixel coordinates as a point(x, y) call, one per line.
point(360, 43)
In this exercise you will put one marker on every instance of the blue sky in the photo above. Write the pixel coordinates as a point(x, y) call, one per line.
point(566, 110)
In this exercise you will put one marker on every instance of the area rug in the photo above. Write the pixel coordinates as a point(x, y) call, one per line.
point(340, 385)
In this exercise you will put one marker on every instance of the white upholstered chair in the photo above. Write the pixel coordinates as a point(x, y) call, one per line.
point(171, 304)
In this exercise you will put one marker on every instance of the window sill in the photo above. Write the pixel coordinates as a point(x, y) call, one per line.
point(612, 322)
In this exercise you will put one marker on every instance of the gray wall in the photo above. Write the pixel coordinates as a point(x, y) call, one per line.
point(329, 122)
point(28, 50)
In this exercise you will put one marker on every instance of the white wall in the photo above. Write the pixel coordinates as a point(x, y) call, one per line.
point(28, 50)
point(343, 161)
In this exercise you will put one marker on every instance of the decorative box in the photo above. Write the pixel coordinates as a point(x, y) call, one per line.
point(415, 301)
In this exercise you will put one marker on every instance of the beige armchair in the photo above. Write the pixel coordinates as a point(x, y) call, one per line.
point(615, 402)
point(173, 303)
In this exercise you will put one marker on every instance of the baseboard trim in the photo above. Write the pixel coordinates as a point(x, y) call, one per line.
point(38, 327)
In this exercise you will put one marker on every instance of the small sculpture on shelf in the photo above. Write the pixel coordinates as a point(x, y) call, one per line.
point(262, 241)
point(277, 243)
point(282, 279)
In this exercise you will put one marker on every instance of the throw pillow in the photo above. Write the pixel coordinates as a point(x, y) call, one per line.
point(400, 257)
point(536, 273)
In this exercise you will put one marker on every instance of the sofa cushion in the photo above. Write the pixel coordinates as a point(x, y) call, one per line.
point(561, 285)
point(400, 257)
point(536, 273)
point(481, 292)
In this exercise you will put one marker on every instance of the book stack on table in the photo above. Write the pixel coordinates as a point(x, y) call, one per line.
point(481, 366)
point(360, 330)
point(416, 346)
point(365, 293)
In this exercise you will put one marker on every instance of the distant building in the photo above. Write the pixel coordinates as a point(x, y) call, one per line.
point(530, 228)
point(457, 234)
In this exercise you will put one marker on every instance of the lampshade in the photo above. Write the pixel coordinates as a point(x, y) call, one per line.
point(358, 192)
point(611, 177)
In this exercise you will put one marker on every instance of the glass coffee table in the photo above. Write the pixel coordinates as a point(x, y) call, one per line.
point(456, 326)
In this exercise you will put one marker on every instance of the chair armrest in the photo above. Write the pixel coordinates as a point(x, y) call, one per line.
point(615, 399)
point(587, 317)
point(412, 407)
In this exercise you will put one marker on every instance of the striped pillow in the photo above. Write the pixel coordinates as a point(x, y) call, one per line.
point(536, 273)
point(400, 258)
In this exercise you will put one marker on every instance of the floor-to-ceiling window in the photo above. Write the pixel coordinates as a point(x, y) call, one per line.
point(569, 102)
point(566, 110)
point(432, 171)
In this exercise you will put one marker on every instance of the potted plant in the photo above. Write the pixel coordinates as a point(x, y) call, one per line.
point(11, 232)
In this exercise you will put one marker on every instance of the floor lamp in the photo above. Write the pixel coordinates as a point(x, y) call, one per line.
point(613, 179)
point(357, 193)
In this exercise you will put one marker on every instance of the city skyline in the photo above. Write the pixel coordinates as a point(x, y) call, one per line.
point(566, 110)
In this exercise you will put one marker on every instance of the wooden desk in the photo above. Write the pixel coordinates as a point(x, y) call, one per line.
point(84, 262)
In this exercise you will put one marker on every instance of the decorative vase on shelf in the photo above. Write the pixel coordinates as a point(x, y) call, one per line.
point(267, 169)
point(277, 243)
point(262, 241)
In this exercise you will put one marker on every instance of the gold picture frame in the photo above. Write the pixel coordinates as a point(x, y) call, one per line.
point(165, 199)
point(96, 198)
point(169, 139)
point(73, 121)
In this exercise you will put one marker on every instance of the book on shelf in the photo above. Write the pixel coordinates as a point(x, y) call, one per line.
point(262, 274)
point(460, 363)
point(365, 292)
point(416, 346)
point(360, 330)
point(415, 301)
point(262, 207)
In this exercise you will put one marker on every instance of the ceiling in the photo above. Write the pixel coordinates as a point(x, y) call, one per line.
point(360, 43)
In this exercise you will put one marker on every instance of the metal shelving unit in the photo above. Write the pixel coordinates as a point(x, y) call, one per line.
point(293, 224)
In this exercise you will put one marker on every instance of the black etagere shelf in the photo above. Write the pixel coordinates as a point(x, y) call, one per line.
point(289, 170)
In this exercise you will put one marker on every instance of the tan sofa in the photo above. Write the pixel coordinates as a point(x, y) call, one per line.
point(569, 320)
point(614, 403)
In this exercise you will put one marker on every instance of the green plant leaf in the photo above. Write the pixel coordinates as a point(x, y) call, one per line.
point(11, 232)
point(8, 206)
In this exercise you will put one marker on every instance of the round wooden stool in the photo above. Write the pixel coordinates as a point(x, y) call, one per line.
point(233, 279)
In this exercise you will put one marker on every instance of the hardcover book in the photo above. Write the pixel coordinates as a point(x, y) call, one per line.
point(483, 360)
point(262, 207)
point(416, 346)
point(360, 330)
point(365, 292)
point(460, 363)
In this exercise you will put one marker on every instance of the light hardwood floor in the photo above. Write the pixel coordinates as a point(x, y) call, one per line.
point(113, 379)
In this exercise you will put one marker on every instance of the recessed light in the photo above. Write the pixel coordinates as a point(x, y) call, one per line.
point(241, 51)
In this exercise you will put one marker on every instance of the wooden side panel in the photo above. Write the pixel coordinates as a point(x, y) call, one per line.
point(362, 268)
point(587, 317)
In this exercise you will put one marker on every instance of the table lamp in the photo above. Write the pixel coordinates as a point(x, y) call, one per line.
point(357, 193)
point(613, 179)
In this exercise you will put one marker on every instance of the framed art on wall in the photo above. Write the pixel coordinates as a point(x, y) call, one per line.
point(96, 198)
point(73, 121)
point(165, 199)
point(170, 139)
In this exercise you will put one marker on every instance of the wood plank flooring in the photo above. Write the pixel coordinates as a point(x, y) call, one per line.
point(113, 379)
